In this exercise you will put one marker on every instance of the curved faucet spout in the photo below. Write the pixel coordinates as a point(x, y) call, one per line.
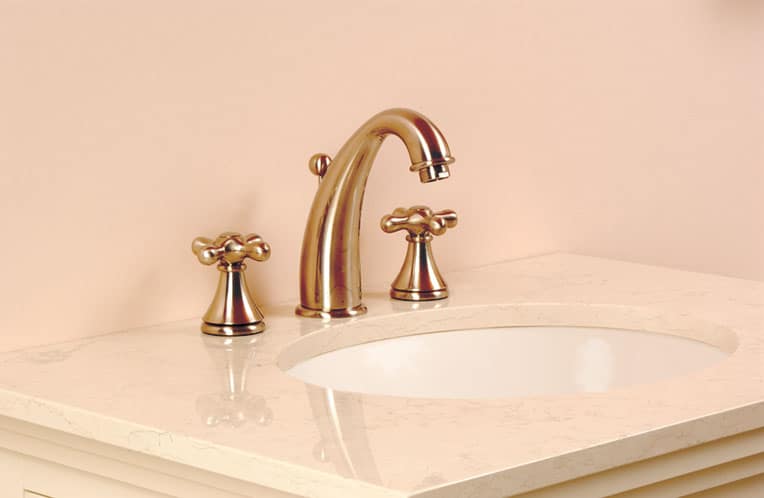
point(330, 270)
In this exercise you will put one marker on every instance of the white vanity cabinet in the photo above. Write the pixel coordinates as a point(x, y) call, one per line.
point(48, 464)
point(36, 462)
point(28, 477)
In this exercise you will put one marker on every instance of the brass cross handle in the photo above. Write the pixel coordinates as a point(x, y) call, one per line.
point(230, 248)
point(232, 311)
point(419, 221)
point(419, 278)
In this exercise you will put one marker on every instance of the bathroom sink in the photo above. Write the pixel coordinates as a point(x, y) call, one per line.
point(502, 362)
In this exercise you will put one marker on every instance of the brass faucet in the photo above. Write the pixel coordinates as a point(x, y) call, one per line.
point(330, 266)
point(232, 311)
point(419, 278)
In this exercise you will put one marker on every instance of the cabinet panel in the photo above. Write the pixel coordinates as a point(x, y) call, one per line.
point(50, 480)
point(10, 474)
point(148, 474)
point(753, 487)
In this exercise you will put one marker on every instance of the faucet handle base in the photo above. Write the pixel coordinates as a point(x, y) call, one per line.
point(419, 278)
point(418, 295)
point(337, 313)
point(233, 330)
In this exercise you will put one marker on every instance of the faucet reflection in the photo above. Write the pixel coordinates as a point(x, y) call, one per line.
point(233, 405)
point(344, 439)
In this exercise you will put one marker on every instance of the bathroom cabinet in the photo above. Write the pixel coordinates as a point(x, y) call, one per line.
point(29, 477)
point(36, 462)
point(47, 464)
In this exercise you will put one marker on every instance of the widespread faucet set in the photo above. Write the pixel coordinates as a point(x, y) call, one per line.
point(330, 269)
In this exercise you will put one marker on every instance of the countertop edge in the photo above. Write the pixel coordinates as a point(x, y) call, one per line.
point(602, 457)
point(157, 443)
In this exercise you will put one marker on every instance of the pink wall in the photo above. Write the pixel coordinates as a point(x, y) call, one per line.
point(626, 129)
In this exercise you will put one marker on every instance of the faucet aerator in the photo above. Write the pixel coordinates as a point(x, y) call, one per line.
point(434, 173)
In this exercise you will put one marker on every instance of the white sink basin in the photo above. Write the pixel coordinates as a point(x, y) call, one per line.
point(505, 362)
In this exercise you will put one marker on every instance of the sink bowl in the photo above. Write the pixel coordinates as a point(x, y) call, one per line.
point(501, 362)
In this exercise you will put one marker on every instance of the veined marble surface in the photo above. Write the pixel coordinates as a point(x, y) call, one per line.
point(162, 390)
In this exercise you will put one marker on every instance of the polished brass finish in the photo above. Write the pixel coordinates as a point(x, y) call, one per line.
point(419, 278)
point(330, 266)
point(232, 311)
point(319, 165)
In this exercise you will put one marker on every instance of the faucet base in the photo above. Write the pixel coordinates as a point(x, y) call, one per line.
point(233, 330)
point(338, 313)
point(420, 295)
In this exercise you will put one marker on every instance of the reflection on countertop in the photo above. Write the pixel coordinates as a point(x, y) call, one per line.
point(233, 405)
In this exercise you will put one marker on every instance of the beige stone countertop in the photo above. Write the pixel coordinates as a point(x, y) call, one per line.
point(159, 390)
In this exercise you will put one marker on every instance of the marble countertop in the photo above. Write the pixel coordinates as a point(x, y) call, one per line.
point(162, 390)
